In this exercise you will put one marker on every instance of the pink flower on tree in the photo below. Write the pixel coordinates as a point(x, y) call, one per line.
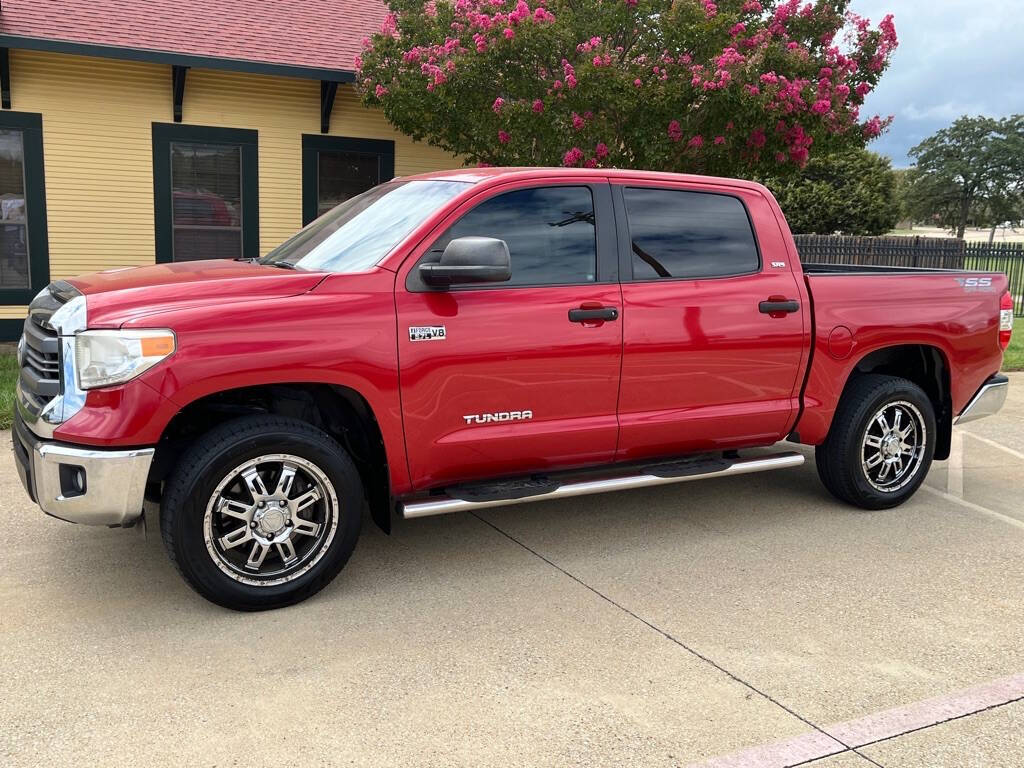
point(696, 142)
point(573, 157)
point(509, 33)
point(601, 150)
point(503, 137)
point(719, 140)
point(675, 131)
point(757, 138)
point(380, 90)
point(821, 106)
point(497, 105)
point(638, 82)
point(577, 122)
point(538, 106)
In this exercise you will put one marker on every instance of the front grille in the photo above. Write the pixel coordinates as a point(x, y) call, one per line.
point(40, 375)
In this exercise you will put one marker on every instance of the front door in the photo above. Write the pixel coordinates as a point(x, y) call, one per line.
point(497, 380)
point(705, 367)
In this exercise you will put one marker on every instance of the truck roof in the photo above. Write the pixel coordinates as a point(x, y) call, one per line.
point(478, 175)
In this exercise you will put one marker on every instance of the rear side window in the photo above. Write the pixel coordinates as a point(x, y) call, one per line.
point(549, 231)
point(680, 234)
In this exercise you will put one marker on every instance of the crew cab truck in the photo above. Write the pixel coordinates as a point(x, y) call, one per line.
point(483, 337)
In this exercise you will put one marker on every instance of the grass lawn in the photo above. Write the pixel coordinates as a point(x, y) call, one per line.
point(8, 378)
point(1012, 361)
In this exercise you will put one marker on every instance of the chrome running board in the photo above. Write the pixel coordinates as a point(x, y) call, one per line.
point(443, 505)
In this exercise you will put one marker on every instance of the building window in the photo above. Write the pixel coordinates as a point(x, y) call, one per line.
point(335, 168)
point(24, 261)
point(206, 190)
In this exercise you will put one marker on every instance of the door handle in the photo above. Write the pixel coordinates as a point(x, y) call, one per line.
point(777, 306)
point(593, 314)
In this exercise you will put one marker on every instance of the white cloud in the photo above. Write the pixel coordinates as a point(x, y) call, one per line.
point(955, 57)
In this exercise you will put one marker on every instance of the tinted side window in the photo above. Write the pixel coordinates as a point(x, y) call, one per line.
point(549, 231)
point(688, 234)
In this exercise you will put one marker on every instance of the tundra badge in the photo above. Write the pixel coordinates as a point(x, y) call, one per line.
point(490, 418)
point(426, 333)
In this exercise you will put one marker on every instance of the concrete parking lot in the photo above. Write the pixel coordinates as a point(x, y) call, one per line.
point(751, 621)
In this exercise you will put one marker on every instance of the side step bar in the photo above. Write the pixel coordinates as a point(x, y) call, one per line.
point(443, 505)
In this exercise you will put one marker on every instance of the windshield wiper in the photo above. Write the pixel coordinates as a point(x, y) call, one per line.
point(282, 265)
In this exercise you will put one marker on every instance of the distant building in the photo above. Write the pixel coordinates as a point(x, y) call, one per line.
point(135, 131)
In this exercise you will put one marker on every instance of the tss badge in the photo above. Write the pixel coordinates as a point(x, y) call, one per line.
point(426, 333)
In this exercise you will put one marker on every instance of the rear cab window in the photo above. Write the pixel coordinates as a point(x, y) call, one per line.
point(686, 234)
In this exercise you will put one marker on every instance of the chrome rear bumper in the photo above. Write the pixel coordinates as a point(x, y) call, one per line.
point(93, 486)
point(986, 401)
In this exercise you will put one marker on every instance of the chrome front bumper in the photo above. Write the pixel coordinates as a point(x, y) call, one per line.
point(92, 486)
point(986, 401)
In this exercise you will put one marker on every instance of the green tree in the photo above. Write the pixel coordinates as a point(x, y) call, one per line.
point(731, 87)
point(971, 172)
point(853, 193)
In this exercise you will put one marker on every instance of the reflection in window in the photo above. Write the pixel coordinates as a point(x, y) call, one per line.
point(549, 232)
point(688, 234)
point(343, 175)
point(13, 212)
point(206, 184)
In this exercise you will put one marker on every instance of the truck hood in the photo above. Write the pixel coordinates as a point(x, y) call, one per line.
point(116, 296)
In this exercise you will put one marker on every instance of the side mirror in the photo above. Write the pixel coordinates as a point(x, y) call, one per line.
point(469, 260)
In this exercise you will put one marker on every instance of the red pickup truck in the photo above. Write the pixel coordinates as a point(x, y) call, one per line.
point(475, 338)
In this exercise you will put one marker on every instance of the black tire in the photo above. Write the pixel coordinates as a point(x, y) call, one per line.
point(840, 459)
point(189, 502)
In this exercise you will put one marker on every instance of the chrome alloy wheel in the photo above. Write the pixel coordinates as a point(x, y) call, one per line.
point(893, 446)
point(265, 537)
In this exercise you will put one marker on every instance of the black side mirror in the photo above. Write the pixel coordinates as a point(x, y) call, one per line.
point(470, 260)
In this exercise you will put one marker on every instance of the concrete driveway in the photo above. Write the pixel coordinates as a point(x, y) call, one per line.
point(744, 622)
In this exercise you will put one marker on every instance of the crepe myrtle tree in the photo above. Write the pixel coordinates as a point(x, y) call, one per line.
point(731, 87)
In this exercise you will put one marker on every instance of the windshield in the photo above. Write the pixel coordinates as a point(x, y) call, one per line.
point(357, 234)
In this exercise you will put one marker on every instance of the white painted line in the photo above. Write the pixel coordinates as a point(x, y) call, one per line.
point(876, 727)
point(994, 444)
point(924, 714)
point(955, 466)
point(975, 507)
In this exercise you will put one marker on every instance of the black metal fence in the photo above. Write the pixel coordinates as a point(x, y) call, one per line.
point(925, 252)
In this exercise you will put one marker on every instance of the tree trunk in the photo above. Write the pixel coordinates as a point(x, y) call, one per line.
point(992, 234)
point(961, 224)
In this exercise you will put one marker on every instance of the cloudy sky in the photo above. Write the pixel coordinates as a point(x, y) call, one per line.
point(955, 57)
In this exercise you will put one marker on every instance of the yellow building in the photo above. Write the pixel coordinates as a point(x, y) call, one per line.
point(152, 131)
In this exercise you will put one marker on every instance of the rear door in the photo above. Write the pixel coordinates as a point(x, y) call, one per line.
point(706, 365)
point(498, 379)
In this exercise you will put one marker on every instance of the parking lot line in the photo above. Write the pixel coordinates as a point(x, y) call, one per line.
point(975, 507)
point(877, 727)
point(993, 443)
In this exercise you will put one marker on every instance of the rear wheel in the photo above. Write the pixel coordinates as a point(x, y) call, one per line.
point(881, 443)
point(262, 512)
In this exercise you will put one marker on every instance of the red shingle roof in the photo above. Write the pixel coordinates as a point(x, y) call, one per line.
point(301, 35)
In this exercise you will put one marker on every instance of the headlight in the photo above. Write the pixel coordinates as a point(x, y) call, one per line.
point(105, 358)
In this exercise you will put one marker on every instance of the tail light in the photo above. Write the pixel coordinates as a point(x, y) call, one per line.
point(1005, 320)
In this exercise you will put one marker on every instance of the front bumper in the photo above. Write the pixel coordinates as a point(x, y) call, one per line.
point(987, 400)
point(92, 486)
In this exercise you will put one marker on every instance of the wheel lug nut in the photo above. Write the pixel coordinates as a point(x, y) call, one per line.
point(288, 522)
point(252, 524)
point(262, 504)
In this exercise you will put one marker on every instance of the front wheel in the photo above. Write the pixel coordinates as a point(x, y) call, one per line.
point(262, 512)
point(881, 443)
